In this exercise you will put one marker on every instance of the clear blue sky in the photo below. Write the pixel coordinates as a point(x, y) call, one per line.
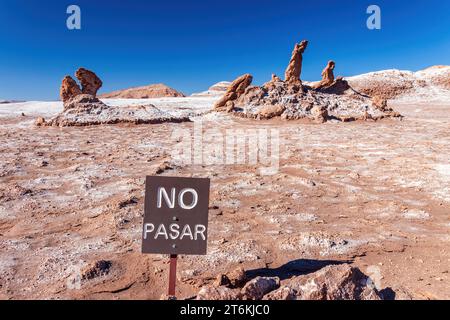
point(190, 44)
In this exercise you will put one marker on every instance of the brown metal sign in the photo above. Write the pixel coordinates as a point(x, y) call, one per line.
point(176, 215)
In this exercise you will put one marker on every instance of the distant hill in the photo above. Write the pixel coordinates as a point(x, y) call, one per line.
point(151, 91)
point(217, 89)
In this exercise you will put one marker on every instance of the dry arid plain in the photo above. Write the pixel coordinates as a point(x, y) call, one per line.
point(373, 194)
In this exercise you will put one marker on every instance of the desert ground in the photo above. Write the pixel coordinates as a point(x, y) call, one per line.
point(373, 194)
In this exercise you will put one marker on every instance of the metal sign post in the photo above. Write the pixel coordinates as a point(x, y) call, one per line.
point(172, 275)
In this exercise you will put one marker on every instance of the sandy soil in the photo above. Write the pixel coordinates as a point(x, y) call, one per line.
point(374, 194)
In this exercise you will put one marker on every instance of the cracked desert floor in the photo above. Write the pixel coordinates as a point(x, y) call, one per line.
point(375, 194)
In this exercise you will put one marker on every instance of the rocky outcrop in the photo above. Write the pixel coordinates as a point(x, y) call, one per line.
point(327, 76)
point(69, 89)
point(333, 282)
point(90, 83)
point(87, 110)
point(337, 282)
point(256, 289)
point(83, 108)
point(235, 90)
point(330, 99)
point(294, 69)
point(159, 90)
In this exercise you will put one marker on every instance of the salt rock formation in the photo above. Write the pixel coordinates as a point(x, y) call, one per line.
point(327, 76)
point(334, 282)
point(69, 89)
point(144, 92)
point(83, 108)
point(294, 69)
point(336, 102)
point(331, 99)
point(86, 110)
point(235, 90)
point(90, 83)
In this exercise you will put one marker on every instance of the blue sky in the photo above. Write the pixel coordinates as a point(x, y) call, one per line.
point(190, 45)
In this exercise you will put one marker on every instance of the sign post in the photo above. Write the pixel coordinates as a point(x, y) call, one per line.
point(172, 274)
point(175, 219)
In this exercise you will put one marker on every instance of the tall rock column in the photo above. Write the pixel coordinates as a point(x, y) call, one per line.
point(294, 69)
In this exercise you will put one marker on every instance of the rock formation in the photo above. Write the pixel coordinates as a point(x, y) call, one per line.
point(83, 108)
point(69, 89)
point(294, 69)
point(235, 90)
point(87, 110)
point(275, 78)
point(90, 83)
point(334, 282)
point(327, 76)
point(330, 99)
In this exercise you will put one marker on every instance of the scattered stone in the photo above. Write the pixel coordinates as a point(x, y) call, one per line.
point(237, 277)
point(258, 287)
point(221, 280)
point(271, 111)
point(127, 202)
point(320, 113)
point(167, 297)
point(282, 293)
point(40, 122)
point(218, 293)
point(98, 269)
point(335, 282)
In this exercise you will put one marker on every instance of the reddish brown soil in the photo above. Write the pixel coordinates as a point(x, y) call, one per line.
point(375, 194)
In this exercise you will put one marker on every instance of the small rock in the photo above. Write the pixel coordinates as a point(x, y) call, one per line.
point(282, 293)
point(99, 268)
point(258, 287)
point(218, 293)
point(40, 122)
